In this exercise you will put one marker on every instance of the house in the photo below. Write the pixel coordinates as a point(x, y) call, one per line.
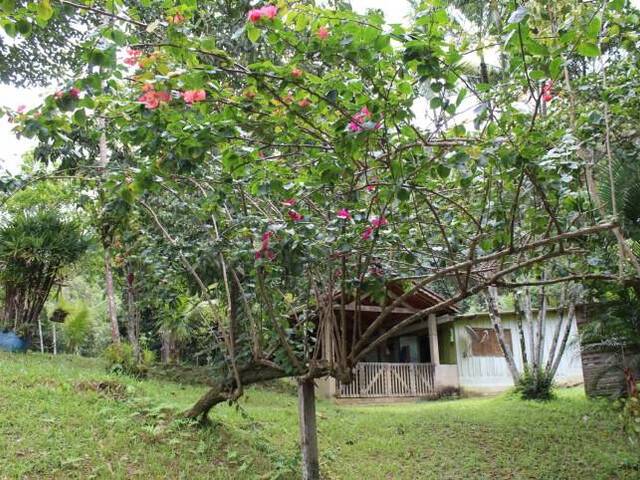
point(448, 350)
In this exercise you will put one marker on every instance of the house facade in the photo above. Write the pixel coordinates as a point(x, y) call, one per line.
point(448, 350)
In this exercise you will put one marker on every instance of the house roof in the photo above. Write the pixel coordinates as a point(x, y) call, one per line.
point(422, 299)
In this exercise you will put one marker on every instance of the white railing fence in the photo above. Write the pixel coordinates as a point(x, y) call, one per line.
point(390, 380)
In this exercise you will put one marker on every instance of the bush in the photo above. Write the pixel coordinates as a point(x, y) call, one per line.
point(630, 416)
point(121, 359)
point(535, 384)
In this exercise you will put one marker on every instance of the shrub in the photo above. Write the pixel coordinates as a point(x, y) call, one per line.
point(535, 384)
point(121, 359)
point(630, 416)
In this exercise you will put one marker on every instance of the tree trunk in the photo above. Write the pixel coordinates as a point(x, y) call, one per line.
point(308, 430)
point(133, 320)
point(529, 320)
point(40, 335)
point(571, 315)
point(558, 329)
point(492, 304)
point(542, 316)
point(111, 299)
point(523, 342)
point(55, 340)
point(222, 386)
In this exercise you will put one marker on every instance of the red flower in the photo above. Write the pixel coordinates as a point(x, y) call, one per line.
point(74, 93)
point(547, 91)
point(296, 73)
point(344, 214)
point(254, 15)
point(193, 96)
point(290, 203)
point(295, 216)
point(366, 234)
point(304, 103)
point(265, 251)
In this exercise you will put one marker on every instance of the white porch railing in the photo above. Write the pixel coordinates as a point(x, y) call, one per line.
point(390, 380)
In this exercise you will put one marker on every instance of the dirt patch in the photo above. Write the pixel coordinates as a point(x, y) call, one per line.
point(106, 388)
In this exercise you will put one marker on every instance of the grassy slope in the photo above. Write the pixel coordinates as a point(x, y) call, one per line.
point(49, 429)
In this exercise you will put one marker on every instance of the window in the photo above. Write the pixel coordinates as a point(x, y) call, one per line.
point(484, 342)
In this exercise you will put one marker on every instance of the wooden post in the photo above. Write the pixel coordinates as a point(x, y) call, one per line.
point(55, 339)
point(111, 298)
point(308, 431)
point(433, 340)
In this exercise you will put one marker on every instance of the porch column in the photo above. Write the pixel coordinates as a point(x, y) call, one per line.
point(433, 339)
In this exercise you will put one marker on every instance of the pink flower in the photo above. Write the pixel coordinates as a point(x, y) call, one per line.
point(547, 91)
point(358, 120)
point(193, 96)
point(265, 251)
point(290, 203)
point(58, 94)
point(296, 73)
point(269, 11)
point(366, 234)
point(177, 19)
point(254, 15)
point(371, 187)
point(266, 236)
point(304, 103)
point(152, 99)
point(344, 214)
point(323, 33)
point(295, 216)
point(378, 222)
point(21, 108)
point(133, 56)
point(74, 92)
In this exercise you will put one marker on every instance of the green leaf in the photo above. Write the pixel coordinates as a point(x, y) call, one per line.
point(443, 171)
point(537, 74)
point(253, 33)
point(588, 49)
point(555, 67)
point(593, 29)
point(45, 12)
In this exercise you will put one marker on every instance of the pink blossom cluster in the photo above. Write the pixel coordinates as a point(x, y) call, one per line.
point(323, 33)
point(194, 96)
point(547, 91)
point(265, 249)
point(133, 57)
point(358, 121)
point(376, 223)
point(73, 92)
point(257, 14)
point(152, 99)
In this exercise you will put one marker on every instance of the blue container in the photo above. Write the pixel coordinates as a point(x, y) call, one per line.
point(10, 342)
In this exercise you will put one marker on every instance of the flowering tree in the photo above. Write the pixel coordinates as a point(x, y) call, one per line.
point(305, 167)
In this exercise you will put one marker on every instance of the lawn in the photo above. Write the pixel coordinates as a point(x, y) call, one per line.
point(55, 424)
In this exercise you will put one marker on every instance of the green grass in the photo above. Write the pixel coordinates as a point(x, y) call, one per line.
point(53, 425)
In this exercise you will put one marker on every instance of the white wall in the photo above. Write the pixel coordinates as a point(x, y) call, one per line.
point(492, 373)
